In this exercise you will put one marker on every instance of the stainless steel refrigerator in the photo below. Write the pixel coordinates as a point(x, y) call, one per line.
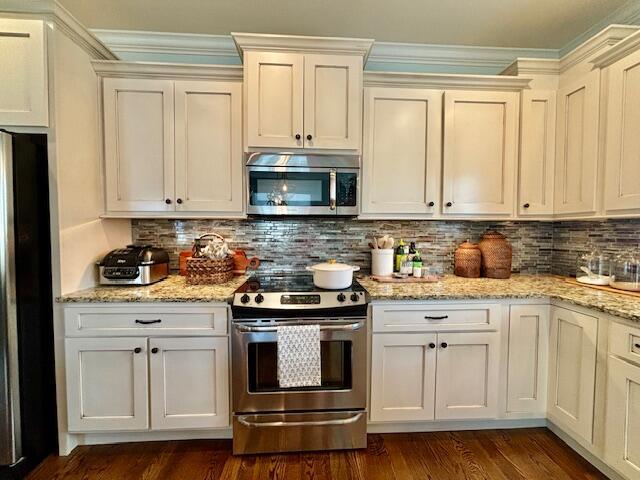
point(27, 385)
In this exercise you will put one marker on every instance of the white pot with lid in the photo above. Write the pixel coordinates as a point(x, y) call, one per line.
point(332, 275)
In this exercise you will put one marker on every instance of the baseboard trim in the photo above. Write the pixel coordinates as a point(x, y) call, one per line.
point(124, 437)
point(455, 425)
point(584, 453)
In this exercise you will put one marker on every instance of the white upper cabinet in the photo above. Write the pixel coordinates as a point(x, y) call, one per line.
point(480, 152)
point(572, 371)
point(577, 146)
point(332, 101)
point(274, 99)
point(139, 142)
point(208, 146)
point(23, 73)
point(299, 100)
point(622, 164)
point(402, 151)
point(537, 152)
point(173, 146)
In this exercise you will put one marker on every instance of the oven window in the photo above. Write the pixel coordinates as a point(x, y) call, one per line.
point(293, 189)
point(335, 360)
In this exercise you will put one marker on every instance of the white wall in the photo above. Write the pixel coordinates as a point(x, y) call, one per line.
point(84, 237)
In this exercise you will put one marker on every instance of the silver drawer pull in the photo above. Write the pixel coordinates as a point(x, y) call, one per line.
point(148, 322)
point(442, 317)
point(319, 423)
point(331, 328)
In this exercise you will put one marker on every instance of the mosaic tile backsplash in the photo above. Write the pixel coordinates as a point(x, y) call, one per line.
point(288, 245)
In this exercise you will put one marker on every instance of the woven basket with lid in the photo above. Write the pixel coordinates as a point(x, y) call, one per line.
point(496, 255)
point(467, 260)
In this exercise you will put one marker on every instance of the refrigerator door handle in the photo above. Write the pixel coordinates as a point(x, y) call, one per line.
point(10, 438)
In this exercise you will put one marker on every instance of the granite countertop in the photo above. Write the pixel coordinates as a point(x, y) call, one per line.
point(175, 289)
point(518, 286)
point(172, 289)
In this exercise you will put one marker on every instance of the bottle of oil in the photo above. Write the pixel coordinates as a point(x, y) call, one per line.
point(399, 256)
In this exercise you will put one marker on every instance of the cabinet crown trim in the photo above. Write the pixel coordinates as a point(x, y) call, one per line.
point(619, 51)
point(302, 44)
point(170, 71)
point(62, 20)
point(605, 38)
point(445, 81)
point(533, 66)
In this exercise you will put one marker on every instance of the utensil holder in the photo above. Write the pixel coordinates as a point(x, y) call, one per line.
point(382, 262)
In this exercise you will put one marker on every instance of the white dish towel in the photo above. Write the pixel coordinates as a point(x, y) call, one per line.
point(299, 356)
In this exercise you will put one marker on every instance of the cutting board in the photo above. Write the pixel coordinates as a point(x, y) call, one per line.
point(604, 288)
point(427, 279)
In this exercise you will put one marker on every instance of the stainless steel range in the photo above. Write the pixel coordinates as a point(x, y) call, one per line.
point(268, 418)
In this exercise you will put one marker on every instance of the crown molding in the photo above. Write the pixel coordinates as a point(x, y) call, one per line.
point(302, 44)
point(120, 69)
point(61, 19)
point(448, 81)
point(533, 66)
point(620, 50)
point(607, 37)
point(212, 47)
point(453, 55)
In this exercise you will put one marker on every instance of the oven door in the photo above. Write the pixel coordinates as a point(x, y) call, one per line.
point(255, 367)
point(302, 191)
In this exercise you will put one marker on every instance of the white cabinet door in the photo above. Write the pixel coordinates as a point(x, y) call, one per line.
point(480, 152)
point(189, 383)
point(402, 151)
point(403, 369)
point(139, 139)
point(332, 101)
point(274, 87)
point(106, 384)
point(467, 375)
point(528, 359)
point(622, 428)
point(622, 168)
point(23, 73)
point(537, 152)
point(577, 146)
point(572, 371)
point(208, 146)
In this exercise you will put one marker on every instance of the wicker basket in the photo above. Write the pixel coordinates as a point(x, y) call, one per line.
point(467, 260)
point(204, 271)
point(496, 255)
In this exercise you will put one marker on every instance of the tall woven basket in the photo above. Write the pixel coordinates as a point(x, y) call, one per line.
point(496, 255)
point(206, 271)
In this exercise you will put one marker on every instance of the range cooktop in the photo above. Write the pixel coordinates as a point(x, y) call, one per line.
point(279, 293)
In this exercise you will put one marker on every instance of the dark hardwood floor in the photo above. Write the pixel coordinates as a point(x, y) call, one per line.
point(533, 453)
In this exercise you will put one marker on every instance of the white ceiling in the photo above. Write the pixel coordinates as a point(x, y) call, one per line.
point(498, 23)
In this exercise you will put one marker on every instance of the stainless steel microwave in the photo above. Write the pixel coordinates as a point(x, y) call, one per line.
point(301, 184)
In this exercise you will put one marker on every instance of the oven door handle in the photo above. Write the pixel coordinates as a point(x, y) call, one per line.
point(324, 328)
point(319, 423)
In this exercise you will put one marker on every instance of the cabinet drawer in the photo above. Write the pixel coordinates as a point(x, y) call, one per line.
point(421, 317)
point(136, 321)
point(624, 341)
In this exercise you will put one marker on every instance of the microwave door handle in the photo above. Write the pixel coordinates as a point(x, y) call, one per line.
point(332, 190)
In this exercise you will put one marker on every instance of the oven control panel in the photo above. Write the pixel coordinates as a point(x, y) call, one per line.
point(292, 300)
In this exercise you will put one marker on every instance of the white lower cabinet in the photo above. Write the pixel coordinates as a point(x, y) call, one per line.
point(189, 382)
point(622, 428)
point(427, 376)
point(118, 384)
point(403, 374)
point(528, 359)
point(572, 371)
point(107, 384)
point(467, 375)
